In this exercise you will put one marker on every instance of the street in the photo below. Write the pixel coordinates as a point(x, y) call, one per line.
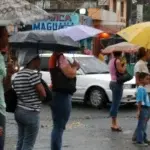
point(88, 129)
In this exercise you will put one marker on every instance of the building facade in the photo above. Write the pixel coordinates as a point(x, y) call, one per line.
point(112, 17)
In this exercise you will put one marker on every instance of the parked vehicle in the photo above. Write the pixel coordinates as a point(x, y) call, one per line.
point(93, 80)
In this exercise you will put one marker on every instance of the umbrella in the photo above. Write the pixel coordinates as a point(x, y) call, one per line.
point(20, 11)
point(79, 32)
point(46, 40)
point(138, 34)
point(123, 47)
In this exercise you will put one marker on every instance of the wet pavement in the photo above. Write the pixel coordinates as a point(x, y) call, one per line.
point(88, 129)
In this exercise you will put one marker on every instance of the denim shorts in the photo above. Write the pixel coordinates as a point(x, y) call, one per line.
point(117, 91)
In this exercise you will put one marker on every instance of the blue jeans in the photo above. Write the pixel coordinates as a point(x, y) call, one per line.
point(2, 130)
point(61, 108)
point(28, 127)
point(117, 91)
point(144, 117)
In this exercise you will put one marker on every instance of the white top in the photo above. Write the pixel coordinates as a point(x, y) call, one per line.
point(141, 66)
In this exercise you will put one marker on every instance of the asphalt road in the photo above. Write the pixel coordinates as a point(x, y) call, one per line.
point(88, 129)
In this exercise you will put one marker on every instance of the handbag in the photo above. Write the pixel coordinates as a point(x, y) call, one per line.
point(10, 100)
point(122, 77)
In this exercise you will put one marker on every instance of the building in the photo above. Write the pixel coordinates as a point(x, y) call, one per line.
point(111, 17)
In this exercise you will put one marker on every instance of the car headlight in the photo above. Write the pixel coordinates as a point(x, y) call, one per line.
point(127, 86)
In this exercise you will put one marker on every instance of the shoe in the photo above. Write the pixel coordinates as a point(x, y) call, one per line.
point(119, 129)
point(141, 144)
point(134, 140)
point(147, 142)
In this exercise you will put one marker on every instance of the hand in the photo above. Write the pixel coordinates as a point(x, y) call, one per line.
point(76, 64)
point(138, 115)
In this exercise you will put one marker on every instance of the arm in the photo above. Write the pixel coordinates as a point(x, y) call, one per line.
point(35, 81)
point(139, 99)
point(137, 78)
point(120, 68)
point(40, 90)
point(7, 78)
point(67, 69)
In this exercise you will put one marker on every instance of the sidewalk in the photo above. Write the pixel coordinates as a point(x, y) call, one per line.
point(84, 134)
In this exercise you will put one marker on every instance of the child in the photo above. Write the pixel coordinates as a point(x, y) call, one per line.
point(143, 110)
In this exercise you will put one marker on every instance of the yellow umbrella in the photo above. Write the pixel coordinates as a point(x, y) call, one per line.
point(138, 34)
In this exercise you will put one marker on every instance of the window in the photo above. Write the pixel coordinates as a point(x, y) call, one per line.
point(122, 9)
point(114, 5)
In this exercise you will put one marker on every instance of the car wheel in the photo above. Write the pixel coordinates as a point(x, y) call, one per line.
point(97, 97)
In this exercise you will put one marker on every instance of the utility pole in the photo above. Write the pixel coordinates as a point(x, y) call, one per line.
point(129, 13)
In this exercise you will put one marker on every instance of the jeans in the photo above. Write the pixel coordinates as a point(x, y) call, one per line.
point(2, 131)
point(117, 91)
point(61, 108)
point(140, 132)
point(28, 127)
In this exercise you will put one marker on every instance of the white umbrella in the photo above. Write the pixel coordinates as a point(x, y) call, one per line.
point(123, 47)
point(20, 11)
point(79, 32)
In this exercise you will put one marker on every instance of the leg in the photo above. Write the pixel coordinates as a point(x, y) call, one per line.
point(60, 114)
point(20, 136)
point(30, 133)
point(2, 131)
point(117, 91)
point(142, 124)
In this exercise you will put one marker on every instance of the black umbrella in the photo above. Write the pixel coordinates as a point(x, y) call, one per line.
point(45, 40)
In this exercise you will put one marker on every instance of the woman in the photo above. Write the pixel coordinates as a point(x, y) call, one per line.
point(63, 75)
point(5, 81)
point(29, 89)
point(116, 66)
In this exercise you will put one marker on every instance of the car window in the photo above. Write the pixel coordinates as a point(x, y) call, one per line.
point(92, 65)
point(44, 63)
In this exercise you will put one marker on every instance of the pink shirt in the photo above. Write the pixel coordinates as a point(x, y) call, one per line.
point(112, 69)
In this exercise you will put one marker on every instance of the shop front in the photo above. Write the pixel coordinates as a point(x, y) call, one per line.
point(57, 21)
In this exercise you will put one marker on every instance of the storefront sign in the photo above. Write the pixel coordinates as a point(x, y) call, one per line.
point(57, 21)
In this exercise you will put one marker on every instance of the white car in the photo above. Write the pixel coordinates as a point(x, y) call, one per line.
point(93, 80)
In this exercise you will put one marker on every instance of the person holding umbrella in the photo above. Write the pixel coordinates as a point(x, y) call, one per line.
point(63, 75)
point(28, 87)
point(116, 67)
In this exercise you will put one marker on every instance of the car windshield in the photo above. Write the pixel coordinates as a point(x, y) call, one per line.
point(92, 65)
point(89, 65)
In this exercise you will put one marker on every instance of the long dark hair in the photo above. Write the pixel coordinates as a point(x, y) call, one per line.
point(3, 37)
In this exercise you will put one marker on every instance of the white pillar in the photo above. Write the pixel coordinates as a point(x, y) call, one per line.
point(139, 13)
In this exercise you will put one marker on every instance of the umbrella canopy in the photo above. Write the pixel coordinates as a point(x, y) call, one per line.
point(79, 32)
point(20, 11)
point(46, 40)
point(123, 47)
point(138, 34)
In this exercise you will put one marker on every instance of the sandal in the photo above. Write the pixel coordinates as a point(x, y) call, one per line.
point(116, 129)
